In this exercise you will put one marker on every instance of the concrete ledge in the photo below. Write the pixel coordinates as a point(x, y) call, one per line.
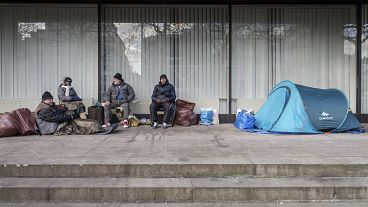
point(242, 204)
point(183, 170)
point(181, 190)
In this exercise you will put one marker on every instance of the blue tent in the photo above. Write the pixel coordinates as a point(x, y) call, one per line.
point(293, 108)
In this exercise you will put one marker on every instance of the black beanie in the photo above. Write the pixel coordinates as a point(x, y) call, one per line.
point(118, 76)
point(47, 95)
point(163, 76)
point(67, 79)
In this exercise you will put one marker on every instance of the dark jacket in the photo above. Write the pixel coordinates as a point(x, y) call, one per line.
point(164, 92)
point(125, 90)
point(73, 96)
point(48, 118)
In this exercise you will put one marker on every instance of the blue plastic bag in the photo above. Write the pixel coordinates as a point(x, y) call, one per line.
point(206, 117)
point(244, 121)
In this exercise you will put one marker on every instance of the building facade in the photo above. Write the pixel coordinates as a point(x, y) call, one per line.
point(221, 54)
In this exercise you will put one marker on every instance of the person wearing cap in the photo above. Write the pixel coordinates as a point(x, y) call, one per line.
point(66, 92)
point(163, 96)
point(49, 116)
point(119, 94)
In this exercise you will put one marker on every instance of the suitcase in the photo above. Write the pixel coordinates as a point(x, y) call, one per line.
point(96, 113)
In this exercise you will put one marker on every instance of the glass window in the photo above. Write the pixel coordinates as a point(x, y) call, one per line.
point(189, 44)
point(313, 46)
point(42, 44)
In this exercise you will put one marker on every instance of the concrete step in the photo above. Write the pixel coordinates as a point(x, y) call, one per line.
point(163, 170)
point(246, 204)
point(185, 190)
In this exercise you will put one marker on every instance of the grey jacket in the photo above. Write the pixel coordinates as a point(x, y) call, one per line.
point(73, 96)
point(124, 89)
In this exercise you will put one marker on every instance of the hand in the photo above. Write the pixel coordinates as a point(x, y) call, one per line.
point(75, 115)
point(107, 103)
point(158, 100)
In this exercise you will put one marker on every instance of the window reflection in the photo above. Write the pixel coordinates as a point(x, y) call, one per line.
point(26, 28)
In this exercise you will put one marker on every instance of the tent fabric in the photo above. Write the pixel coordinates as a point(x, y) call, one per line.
point(293, 108)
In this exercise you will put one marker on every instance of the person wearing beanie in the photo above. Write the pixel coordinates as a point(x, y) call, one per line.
point(69, 97)
point(66, 92)
point(49, 116)
point(163, 96)
point(119, 94)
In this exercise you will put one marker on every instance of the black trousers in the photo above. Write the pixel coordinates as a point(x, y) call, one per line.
point(167, 111)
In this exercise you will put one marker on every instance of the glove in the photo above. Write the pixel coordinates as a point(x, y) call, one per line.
point(75, 114)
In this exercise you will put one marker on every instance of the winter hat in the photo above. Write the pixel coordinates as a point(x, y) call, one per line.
point(118, 76)
point(67, 79)
point(163, 76)
point(47, 95)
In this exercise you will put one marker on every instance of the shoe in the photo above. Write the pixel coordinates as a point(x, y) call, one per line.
point(165, 125)
point(155, 125)
point(125, 124)
point(106, 125)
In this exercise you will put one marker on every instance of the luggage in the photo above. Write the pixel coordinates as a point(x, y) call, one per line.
point(96, 113)
point(184, 115)
point(18, 122)
point(7, 125)
point(25, 121)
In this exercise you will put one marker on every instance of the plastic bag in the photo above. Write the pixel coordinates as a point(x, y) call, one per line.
point(244, 120)
point(206, 116)
point(215, 118)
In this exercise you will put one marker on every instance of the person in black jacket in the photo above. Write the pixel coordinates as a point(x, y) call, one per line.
point(163, 96)
point(49, 116)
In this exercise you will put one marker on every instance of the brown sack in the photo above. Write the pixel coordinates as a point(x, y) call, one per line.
point(184, 115)
point(185, 104)
point(25, 122)
point(7, 125)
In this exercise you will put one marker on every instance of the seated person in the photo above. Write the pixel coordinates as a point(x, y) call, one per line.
point(66, 92)
point(49, 116)
point(69, 97)
point(163, 96)
point(119, 94)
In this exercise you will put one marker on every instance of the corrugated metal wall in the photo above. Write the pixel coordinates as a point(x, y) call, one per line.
point(40, 45)
point(310, 46)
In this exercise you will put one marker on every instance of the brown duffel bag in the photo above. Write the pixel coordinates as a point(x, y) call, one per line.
point(8, 126)
point(25, 121)
point(184, 115)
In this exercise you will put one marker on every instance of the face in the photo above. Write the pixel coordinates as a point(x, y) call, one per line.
point(163, 81)
point(68, 83)
point(117, 81)
point(49, 101)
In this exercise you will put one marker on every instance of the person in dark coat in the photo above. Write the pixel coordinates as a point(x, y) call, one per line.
point(49, 116)
point(119, 94)
point(163, 96)
point(69, 97)
point(66, 92)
